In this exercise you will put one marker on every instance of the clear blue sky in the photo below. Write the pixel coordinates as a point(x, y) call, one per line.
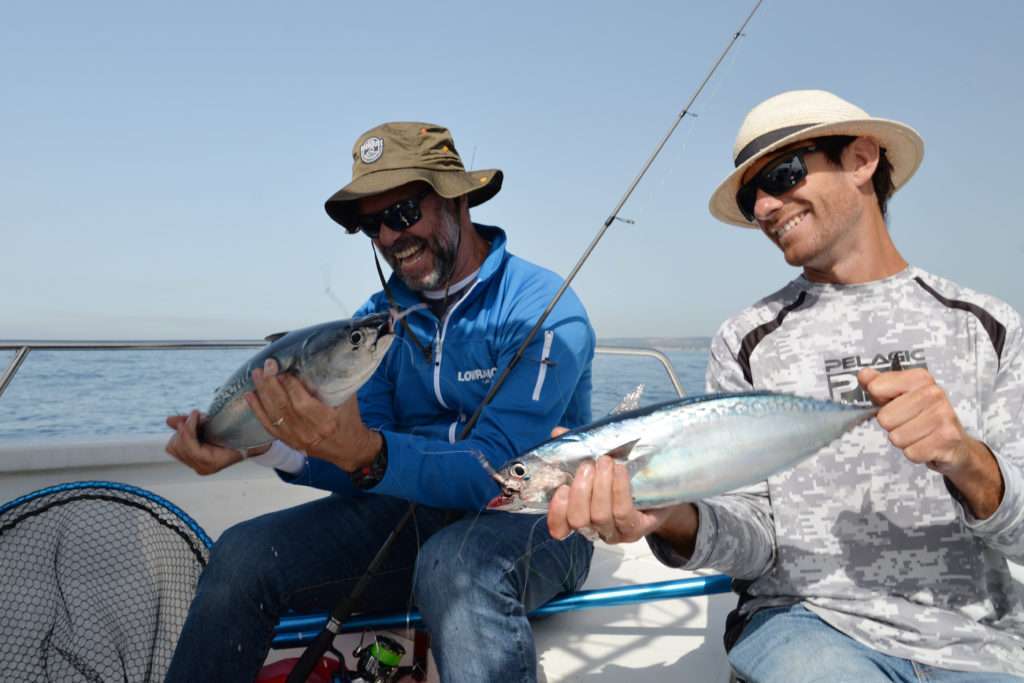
point(164, 165)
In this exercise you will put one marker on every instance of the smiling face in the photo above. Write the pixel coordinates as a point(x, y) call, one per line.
point(817, 223)
point(424, 254)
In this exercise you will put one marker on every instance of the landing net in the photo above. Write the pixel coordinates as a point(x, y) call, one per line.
point(95, 582)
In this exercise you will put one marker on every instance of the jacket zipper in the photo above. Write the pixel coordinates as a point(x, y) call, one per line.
point(549, 338)
point(443, 330)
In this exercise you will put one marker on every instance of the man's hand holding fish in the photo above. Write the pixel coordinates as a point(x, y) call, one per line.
point(204, 458)
point(600, 498)
point(290, 413)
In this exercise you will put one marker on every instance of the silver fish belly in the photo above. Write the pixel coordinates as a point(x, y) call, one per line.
point(332, 359)
point(685, 450)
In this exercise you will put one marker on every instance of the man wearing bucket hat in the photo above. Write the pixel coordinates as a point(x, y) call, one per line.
point(466, 306)
point(883, 557)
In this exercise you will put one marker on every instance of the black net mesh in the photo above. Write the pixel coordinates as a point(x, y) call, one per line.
point(95, 582)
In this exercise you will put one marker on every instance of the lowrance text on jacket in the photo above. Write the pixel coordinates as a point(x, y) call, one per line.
point(484, 374)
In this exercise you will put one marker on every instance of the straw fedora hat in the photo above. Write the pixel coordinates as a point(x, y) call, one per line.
point(393, 154)
point(801, 115)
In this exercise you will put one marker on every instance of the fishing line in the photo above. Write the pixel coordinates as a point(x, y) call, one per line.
point(465, 537)
point(425, 350)
point(403, 345)
point(680, 147)
point(325, 269)
point(528, 555)
point(343, 610)
point(397, 315)
point(415, 571)
point(709, 102)
point(604, 228)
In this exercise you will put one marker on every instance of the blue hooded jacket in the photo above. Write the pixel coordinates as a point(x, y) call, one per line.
point(421, 406)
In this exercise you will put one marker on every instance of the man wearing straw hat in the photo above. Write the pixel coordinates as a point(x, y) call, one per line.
point(467, 306)
point(884, 557)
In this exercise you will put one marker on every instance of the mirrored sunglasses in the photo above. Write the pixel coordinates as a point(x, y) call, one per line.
point(400, 216)
point(777, 178)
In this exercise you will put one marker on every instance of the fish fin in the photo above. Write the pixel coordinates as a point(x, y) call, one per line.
point(639, 461)
point(630, 401)
point(274, 337)
point(621, 452)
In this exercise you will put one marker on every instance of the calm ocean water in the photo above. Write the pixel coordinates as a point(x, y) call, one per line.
point(95, 394)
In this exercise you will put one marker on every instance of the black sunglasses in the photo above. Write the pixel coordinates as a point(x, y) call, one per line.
point(400, 216)
point(777, 178)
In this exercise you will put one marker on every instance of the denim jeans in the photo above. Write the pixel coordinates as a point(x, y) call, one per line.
point(473, 580)
point(793, 645)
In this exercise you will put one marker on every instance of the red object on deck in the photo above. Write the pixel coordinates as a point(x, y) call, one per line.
point(278, 672)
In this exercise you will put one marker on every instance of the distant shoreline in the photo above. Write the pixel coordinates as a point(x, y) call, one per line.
point(699, 344)
point(660, 343)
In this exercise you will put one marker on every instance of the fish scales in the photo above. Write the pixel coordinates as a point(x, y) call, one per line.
point(686, 449)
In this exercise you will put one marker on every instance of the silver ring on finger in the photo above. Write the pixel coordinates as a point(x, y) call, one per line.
point(278, 422)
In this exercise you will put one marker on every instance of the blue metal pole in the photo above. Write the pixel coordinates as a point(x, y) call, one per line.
point(298, 630)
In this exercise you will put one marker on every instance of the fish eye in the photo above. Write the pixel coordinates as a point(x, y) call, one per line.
point(356, 338)
point(518, 470)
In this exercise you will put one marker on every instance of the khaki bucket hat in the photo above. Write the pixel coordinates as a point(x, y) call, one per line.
point(801, 115)
point(393, 154)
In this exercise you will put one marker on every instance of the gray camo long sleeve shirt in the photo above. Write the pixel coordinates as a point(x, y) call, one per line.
point(878, 547)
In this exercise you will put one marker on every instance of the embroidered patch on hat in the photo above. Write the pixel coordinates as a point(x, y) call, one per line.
point(371, 149)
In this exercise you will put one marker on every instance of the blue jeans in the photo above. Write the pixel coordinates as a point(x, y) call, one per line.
point(793, 645)
point(473, 580)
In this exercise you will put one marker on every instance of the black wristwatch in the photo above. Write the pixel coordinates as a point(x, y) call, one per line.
point(368, 476)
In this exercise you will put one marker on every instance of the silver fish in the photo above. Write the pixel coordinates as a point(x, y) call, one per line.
point(332, 359)
point(683, 450)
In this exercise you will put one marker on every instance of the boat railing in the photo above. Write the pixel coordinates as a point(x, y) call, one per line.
point(23, 348)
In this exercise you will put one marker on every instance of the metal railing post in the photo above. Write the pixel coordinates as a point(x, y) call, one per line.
point(12, 368)
point(647, 353)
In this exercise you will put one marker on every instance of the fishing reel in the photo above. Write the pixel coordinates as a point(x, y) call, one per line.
point(378, 661)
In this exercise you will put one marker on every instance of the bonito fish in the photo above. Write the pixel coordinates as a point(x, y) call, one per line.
point(683, 450)
point(332, 359)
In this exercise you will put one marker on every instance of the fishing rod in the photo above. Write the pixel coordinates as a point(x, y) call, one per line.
point(341, 612)
point(611, 219)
